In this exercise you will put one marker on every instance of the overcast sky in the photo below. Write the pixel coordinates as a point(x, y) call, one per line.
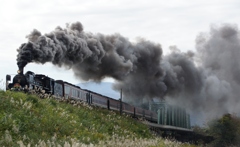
point(171, 22)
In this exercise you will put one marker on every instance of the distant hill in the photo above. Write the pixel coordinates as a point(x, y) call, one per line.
point(104, 88)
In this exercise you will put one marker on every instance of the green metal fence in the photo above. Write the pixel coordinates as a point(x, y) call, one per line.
point(171, 115)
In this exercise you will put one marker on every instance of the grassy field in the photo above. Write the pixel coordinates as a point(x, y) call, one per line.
point(27, 120)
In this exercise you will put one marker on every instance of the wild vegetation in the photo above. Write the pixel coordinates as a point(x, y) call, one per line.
point(224, 131)
point(27, 120)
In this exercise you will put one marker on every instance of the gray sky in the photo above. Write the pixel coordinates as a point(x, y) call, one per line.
point(166, 22)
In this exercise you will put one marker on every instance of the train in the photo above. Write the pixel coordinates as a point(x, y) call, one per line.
point(166, 115)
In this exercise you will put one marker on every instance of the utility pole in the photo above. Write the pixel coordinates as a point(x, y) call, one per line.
point(121, 102)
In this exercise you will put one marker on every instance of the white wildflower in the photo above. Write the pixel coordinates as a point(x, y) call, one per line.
point(15, 128)
point(8, 137)
point(75, 143)
point(10, 115)
point(54, 138)
point(41, 143)
point(12, 100)
point(66, 144)
point(27, 105)
point(20, 143)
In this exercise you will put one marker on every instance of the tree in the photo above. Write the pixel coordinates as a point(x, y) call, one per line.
point(225, 130)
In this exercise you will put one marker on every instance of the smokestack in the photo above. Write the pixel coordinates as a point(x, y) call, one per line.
point(20, 70)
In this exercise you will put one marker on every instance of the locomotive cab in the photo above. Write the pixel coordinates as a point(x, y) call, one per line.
point(45, 82)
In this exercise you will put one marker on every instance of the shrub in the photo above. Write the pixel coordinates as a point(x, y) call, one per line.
point(225, 130)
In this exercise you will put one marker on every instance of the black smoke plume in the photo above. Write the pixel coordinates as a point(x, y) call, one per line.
point(204, 81)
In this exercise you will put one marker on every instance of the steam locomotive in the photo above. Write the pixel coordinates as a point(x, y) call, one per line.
point(168, 116)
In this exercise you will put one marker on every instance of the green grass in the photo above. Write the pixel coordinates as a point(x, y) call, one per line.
point(28, 120)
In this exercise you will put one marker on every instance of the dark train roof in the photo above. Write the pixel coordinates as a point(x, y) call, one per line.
point(30, 72)
point(64, 82)
point(42, 76)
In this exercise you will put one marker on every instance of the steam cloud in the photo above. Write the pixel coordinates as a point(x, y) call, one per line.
point(205, 81)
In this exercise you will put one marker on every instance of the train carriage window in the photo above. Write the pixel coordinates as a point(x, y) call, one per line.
point(67, 89)
point(73, 92)
point(76, 93)
point(31, 79)
point(58, 89)
point(83, 95)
